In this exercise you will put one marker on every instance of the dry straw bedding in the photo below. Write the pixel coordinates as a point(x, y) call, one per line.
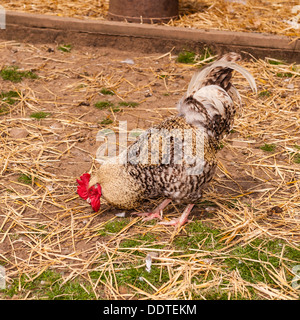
point(270, 16)
point(44, 225)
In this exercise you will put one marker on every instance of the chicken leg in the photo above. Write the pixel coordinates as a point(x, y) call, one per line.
point(156, 213)
point(182, 219)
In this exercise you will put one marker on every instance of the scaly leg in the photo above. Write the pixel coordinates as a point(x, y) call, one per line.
point(182, 219)
point(156, 213)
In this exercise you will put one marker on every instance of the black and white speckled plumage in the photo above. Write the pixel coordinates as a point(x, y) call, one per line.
point(208, 108)
point(173, 180)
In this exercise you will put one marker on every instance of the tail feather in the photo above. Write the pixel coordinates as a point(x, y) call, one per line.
point(219, 73)
point(209, 101)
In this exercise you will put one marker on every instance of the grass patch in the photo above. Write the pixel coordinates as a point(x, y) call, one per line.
point(106, 121)
point(275, 62)
point(49, 286)
point(284, 74)
point(115, 109)
point(132, 274)
point(297, 147)
point(13, 74)
point(268, 147)
point(3, 110)
point(254, 260)
point(198, 233)
point(8, 97)
point(107, 92)
point(264, 93)
point(116, 225)
point(130, 104)
point(296, 158)
point(65, 48)
point(288, 74)
point(40, 115)
point(186, 57)
point(148, 240)
point(190, 57)
point(24, 178)
point(103, 105)
point(163, 76)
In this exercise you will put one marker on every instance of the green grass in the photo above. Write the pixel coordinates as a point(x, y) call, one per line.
point(186, 57)
point(284, 74)
point(7, 98)
point(297, 147)
point(264, 93)
point(24, 178)
point(130, 104)
point(163, 76)
point(137, 241)
point(268, 147)
point(275, 62)
point(116, 109)
point(13, 74)
point(133, 275)
point(103, 105)
point(116, 226)
point(296, 158)
point(3, 110)
point(288, 74)
point(49, 286)
point(198, 233)
point(40, 115)
point(65, 47)
point(107, 91)
point(190, 57)
point(254, 260)
point(106, 121)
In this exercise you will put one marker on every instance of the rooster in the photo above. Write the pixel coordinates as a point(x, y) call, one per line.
point(208, 107)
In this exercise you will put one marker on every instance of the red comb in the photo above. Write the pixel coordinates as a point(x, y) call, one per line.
point(83, 185)
point(92, 194)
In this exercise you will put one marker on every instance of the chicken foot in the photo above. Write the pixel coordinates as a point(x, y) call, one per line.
point(156, 213)
point(182, 219)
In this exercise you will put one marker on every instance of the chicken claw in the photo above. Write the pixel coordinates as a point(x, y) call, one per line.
point(181, 220)
point(156, 213)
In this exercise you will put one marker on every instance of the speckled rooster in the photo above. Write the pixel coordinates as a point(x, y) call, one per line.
point(208, 107)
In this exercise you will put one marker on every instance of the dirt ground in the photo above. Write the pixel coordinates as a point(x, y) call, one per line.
point(45, 225)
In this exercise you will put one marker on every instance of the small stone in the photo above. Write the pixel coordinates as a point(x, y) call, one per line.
point(128, 61)
point(56, 126)
point(18, 133)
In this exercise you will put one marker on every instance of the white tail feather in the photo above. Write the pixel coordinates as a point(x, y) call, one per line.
point(198, 78)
